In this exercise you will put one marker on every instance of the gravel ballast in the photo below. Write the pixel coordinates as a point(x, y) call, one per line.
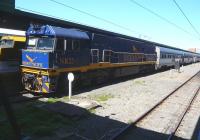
point(133, 97)
point(129, 99)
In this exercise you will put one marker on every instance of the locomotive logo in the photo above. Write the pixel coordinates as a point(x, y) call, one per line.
point(30, 59)
point(134, 49)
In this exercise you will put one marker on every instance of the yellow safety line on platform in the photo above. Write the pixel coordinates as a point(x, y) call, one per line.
point(14, 38)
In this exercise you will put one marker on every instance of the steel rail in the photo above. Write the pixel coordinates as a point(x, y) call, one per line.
point(126, 128)
point(173, 132)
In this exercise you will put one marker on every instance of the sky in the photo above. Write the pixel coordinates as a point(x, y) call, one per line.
point(127, 17)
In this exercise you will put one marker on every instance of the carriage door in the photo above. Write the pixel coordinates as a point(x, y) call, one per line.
point(95, 55)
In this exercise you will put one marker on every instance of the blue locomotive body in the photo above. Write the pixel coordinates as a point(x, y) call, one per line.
point(54, 47)
point(120, 50)
point(52, 52)
point(37, 59)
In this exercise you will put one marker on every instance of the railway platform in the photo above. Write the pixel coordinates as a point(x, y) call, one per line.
point(9, 67)
point(10, 76)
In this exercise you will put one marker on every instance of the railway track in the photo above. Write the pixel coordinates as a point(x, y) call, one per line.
point(120, 135)
point(174, 130)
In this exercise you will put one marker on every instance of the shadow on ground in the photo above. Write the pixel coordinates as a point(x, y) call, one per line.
point(196, 134)
point(62, 121)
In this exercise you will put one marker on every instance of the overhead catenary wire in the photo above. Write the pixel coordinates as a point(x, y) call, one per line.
point(48, 15)
point(99, 18)
point(195, 30)
point(162, 18)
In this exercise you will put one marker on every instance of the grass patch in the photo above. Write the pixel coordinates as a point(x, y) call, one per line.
point(92, 111)
point(139, 82)
point(130, 121)
point(52, 100)
point(33, 122)
point(102, 97)
point(65, 98)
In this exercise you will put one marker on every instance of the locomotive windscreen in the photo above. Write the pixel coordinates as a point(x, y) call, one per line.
point(41, 43)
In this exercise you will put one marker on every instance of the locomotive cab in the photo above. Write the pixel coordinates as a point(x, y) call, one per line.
point(50, 51)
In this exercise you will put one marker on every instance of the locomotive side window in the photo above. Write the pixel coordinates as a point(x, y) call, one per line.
point(32, 42)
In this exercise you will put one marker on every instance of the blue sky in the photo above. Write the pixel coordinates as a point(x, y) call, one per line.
point(139, 22)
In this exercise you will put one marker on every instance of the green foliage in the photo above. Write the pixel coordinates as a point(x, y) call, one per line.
point(130, 121)
point(103, 97)
point(92, 111)
point(52, 100)
point(139, 82)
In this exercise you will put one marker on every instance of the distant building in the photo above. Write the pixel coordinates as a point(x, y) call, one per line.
point(192, 49)
point(197, 50)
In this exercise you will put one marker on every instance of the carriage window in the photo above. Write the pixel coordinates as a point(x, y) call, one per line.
point(60, 45)
point(163, 55)
point(6, 43)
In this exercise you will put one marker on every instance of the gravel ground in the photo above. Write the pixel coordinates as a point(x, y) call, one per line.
point(191, 122)
point(165, 118)
point(133, 97)
point(127, 100)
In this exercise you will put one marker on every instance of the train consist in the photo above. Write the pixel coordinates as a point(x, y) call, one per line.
point(166, 57)
point(10, 51)
point(52, 52)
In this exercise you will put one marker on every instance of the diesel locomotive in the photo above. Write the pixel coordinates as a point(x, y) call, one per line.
point(52, 52)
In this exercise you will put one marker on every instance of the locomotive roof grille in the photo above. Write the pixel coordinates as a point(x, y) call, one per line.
point(52, 31)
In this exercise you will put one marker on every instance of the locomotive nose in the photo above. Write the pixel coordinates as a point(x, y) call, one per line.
point(36, 59)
